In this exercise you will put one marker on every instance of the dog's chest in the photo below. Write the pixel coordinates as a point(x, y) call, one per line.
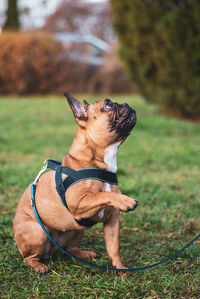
point(110, 158)
point(102, 211)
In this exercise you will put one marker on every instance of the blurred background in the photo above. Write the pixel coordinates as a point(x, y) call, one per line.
point(59, 45)
point(145, 53)
point(103, 47)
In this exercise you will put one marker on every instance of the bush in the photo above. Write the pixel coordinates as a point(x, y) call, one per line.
point(159, 45)
point(29, 63)
point(36, 64)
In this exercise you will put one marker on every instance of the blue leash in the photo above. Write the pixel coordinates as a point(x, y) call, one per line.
point(33, 189)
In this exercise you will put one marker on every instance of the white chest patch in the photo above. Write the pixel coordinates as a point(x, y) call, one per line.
point(108, 188)
point(110, 157)
point(101, 212)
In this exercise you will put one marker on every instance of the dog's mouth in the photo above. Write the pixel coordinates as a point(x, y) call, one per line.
point(123, 121)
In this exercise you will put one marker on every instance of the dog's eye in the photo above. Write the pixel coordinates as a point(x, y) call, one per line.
point(109, 104)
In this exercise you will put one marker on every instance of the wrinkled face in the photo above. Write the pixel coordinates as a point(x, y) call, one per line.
point(105, 122)
point(122, 118)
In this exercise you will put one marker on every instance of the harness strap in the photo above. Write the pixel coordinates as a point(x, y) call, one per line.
point(59, 185)
point(88, 174)
point(61, 191)
point(53, 164)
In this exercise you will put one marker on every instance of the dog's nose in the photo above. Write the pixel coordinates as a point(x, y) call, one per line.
point(133, 110)
point(127, 106)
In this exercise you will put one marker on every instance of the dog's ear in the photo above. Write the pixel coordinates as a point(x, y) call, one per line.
point(79, 110)
point(85, 103)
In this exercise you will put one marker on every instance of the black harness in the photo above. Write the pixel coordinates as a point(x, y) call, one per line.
point(75, 176)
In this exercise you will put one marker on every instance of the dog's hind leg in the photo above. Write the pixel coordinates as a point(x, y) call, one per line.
point(75, 251)
point(34, 262)
point(32, 242)
point(82, 254)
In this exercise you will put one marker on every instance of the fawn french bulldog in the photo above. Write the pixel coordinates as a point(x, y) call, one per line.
point(102, 127)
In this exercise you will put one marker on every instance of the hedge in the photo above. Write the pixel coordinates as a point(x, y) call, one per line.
point(29, 63)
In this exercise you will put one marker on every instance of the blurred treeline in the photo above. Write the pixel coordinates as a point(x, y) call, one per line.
point(159, 45)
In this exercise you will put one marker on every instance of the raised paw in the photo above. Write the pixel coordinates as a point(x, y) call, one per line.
point(125, 203)
point(134, 206)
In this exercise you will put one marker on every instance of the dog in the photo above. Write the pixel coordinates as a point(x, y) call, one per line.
point(102, 127)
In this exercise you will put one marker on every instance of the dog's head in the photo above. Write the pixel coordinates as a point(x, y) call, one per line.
point(105, 122)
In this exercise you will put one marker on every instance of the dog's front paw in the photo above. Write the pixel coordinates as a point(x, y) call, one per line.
point(121, 273)
point(125, 203)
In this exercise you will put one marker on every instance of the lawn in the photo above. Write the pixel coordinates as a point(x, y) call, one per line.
point(158, 165)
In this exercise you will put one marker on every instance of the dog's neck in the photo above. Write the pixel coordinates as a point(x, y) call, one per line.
point(84, 154)
point(110, 157)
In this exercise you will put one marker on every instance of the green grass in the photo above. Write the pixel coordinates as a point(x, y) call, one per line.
point(158, 165)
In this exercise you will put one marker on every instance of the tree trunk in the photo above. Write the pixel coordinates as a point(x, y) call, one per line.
point(12, 16)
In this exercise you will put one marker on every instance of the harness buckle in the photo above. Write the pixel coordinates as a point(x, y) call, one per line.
point(45, 166)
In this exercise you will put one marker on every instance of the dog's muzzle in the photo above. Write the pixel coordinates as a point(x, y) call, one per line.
point(124, 121)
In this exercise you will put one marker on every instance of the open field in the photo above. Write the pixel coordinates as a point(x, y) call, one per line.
point(159, 165)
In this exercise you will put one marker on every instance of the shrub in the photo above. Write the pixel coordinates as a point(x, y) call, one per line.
point(35, 63)
point(159, 45)
point(29, 63)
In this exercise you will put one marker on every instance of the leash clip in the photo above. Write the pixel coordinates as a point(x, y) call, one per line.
point(41, 171)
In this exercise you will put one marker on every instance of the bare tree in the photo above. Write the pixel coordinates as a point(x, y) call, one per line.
point(82, 17)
